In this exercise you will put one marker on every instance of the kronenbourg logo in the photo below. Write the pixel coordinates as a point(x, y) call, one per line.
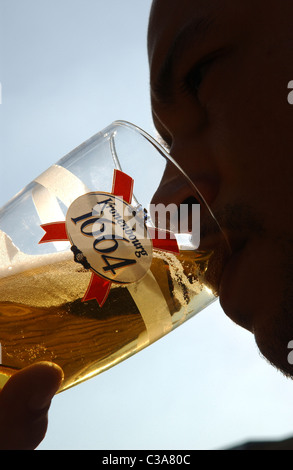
point(110, 237)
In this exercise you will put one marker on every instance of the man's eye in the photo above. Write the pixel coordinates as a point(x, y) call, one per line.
point(194, 79)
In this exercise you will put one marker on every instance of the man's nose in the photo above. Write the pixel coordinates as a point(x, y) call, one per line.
point(199, 167)
point(190, 175)
point(174, 187)
point(175, 204)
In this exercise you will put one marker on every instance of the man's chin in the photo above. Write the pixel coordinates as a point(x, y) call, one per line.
point(274, 347)
point(273, 336)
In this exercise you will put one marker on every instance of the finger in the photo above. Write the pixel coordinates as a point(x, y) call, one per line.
point(24, 404)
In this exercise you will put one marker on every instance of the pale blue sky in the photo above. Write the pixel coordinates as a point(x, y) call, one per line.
point(68, 68)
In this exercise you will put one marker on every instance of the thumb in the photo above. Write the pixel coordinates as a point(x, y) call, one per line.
point(24, 404)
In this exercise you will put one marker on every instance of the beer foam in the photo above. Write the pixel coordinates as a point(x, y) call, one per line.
point(177, 273)
point(45, 285)
point(13, 261)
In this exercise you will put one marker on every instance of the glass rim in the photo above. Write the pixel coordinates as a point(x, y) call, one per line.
point(166, 154)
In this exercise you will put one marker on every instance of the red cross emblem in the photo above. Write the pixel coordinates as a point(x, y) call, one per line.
point(101, 280)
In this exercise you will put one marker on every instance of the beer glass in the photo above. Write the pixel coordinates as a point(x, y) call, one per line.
point(101, 255)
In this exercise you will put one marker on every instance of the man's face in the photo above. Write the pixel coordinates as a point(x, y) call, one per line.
point(219, 81)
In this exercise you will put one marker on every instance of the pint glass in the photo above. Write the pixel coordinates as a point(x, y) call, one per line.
point(98, 260)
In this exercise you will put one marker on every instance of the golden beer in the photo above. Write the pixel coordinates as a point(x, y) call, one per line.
point(93, 264)
point(43, 317)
